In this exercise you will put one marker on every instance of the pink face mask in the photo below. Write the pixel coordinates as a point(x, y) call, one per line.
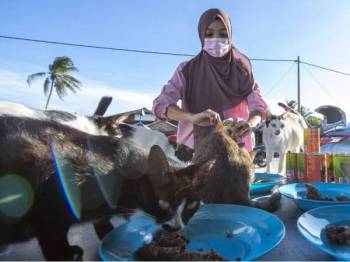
point(216, 47)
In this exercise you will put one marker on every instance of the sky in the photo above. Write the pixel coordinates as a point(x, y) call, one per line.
point(316, 30)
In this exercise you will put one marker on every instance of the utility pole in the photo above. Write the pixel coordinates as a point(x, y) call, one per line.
point(299, 105)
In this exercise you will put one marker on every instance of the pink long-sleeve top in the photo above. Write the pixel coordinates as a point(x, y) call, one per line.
point(174, 91)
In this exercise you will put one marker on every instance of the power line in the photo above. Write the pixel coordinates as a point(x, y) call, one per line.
point(93, 46)
point(123, 49)
point(271, 60)
point(319, 83)
point(280, 80)
point(158, 52)
point(325, 68)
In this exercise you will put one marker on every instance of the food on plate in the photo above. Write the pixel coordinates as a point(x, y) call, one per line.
point(338, 235)
point(314, 194)
point(172, 246)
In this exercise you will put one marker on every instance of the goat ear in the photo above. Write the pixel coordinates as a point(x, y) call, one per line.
point(113, 120)
point(116, 119)
point(288, 108)
point(158, 166)
point(268, 117)
point(202, 172)
point(103, 105)
point(283, 116)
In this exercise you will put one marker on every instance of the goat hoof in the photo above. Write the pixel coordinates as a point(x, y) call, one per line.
point(275, 200)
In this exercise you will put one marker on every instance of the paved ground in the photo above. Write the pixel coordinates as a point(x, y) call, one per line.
point(293, 247)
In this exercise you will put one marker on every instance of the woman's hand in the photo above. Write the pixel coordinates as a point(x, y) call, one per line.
point(205, 118)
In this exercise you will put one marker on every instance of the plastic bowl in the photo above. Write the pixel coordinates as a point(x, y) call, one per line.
point(298, 191)
point(254, 233)
point(312, 226)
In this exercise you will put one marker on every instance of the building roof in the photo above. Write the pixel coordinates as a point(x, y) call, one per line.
point(163, 126)
point(141, 111)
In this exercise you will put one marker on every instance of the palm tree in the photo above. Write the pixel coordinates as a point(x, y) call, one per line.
point(304, 111)
point(58, 77)
point(291, 103)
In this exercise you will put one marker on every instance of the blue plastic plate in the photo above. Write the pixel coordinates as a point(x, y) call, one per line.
point(269, 181)
point(298, 191)
point(312, 226)
point(254, 233)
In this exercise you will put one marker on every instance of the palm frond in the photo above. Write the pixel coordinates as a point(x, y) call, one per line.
point(32, 77)
point(47, 85)
point(60, 88)
point(305, 112)
point(72, 80)
point(64, 84)
point(292, 103)
point(62, 65)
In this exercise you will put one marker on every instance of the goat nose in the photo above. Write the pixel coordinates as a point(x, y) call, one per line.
point(277, 132)
point(169, 228)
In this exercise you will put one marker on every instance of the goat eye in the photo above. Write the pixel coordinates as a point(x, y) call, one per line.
point(192, 205)
point(273, 125)
point(282, 125)
point(164, 204)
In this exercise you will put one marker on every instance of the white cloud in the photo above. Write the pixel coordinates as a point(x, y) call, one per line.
point(13, 87)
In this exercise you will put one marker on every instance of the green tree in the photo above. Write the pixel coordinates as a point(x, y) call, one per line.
point(304, 111)
point(311, 120)
point(314, 121)
point(292, 103)
point(59, 78)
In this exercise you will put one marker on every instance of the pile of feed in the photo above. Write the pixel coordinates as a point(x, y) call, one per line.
point(339, 235)
point(314, 194)
point(172, 246)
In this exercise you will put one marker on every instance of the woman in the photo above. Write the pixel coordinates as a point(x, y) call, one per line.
point(217, 83)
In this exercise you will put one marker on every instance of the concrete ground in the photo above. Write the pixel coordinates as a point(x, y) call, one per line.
point(293, 247)
point(274, 167)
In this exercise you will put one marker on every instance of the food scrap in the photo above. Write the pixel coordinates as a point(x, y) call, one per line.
point(339, 235)
point(172, 246)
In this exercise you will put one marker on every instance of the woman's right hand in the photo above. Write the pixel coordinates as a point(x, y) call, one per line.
point(205, 118)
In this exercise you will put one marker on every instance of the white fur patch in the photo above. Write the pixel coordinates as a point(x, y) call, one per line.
point(192, 205)
point(147, 137)
point(176, 221)
point(81, 123)
point(18, 110)
point(84, 124)
point(164, 204)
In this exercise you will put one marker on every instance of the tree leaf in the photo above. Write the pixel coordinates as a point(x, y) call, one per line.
point(47, 85)
point(60, 88)
point(32, 77)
